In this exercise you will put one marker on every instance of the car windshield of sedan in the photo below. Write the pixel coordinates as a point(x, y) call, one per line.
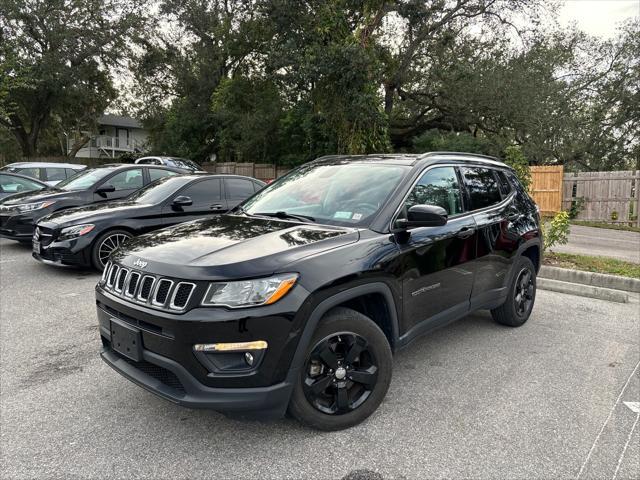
point(340, 194)
point(85, 179)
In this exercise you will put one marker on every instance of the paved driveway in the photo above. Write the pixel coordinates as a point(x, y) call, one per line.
point(603, 242)
point(474, 399)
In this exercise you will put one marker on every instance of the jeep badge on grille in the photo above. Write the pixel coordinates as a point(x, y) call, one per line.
point(139, 263)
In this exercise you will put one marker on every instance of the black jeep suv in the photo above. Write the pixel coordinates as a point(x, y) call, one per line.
point(299, 296)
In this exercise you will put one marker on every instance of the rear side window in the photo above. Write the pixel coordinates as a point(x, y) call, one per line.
point(203, 192)
point(482, 186)
point(503, 181)
point(238, 188)
point(55, 174)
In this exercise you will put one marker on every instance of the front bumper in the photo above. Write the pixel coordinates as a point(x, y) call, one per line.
point(170, 368)
point(18, 226)
point(75, 252)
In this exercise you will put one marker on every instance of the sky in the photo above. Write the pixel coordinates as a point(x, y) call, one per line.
point(598, 17)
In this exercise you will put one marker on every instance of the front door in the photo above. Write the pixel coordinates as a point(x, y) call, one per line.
point(437, 261)
point(206, 198)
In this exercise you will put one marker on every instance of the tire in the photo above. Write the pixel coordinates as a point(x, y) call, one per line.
point(515, 311)
point(344, 401)
point(104, 242)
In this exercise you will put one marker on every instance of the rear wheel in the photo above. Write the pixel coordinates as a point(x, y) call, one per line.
point(105, 244)
point(522, 295)
point(346, 374)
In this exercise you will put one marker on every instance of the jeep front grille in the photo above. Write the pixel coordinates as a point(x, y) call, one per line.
point(146, 289)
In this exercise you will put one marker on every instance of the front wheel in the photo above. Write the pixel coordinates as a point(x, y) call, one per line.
point(346, 374)
point(515, 311)
point(105, 244)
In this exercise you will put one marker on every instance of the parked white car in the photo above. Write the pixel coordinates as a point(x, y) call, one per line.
point(50, 173)
point(174, 162)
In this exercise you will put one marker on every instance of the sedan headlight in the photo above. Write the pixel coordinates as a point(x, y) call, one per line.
point(249, 293)
point(29, 207)
point(75, 231)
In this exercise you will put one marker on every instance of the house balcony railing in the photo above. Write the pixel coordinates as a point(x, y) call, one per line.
point(114, 143)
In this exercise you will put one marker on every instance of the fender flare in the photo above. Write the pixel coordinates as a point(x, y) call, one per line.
point(333, 301)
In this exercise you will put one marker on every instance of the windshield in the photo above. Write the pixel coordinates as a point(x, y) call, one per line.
point(344, 194)
point(158, 191)
point(184, 163)
point(84, 179)
point(13, 184)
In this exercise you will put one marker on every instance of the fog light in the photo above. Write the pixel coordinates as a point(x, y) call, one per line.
point(230, 347)
point(248, 358)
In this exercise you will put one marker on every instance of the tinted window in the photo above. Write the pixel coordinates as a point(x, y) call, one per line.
point(482, 186)
point(203, 192)
point(438, 186)
point(238, 188)
point(127, 180)
point(156, 173)
point(56, 174)
point(71, 172)
point(149, 161)
point(29, 172)
point(184, 163)
point(505, 186)
point(158, 191)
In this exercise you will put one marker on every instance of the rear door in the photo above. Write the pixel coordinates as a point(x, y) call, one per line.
point(491, 202)
point(206, 198)
point(436, 262)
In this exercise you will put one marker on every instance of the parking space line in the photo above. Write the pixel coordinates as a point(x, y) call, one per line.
point(625, 447)
point(586, 460)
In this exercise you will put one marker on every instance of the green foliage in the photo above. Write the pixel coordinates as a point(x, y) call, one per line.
point(514, 157)
point(577, 205)
point(557, 231)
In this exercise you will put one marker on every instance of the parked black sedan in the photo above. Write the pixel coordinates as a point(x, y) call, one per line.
point(12, 183)
point(86, 236)
point(19, 213)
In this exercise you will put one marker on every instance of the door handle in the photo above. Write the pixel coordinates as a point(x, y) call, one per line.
point(466, 232)
point(216, 206)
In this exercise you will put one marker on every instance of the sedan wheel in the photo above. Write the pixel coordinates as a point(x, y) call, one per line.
point(106, 244)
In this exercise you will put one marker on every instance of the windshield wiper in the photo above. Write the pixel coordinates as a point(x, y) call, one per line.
point(284, 215)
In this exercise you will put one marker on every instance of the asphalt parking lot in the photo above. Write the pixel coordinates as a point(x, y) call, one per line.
point(552, 399)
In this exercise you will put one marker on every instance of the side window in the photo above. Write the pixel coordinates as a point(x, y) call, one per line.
point(149, 161)
point(505, 186)
point(71, 172)
point(238, 188)
point(156, 173)
point(127, 180)
point(29, 172)
point(203, 192)
point(56, 174)
point(439, 186)
point(482, 186)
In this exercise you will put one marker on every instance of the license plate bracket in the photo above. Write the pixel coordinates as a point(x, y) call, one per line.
point(36, 247)
point(126, 340)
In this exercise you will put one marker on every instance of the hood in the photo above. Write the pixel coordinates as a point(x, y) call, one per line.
point(229, 246)
point(37, 196)
point(92, 213)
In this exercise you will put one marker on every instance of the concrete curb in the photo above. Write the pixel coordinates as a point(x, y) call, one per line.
point(583, 290)
point(589, 278)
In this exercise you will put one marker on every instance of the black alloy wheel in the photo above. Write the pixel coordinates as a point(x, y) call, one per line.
point(105, 245)
point(515, 311)
point(340, 374)
point(523, 297)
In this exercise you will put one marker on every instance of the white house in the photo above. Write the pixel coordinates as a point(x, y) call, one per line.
point(116, 135)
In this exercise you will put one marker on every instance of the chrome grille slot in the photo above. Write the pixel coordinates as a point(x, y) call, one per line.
point(105, 272)
point(162, 292)
point(181, 295)
point(132, 284)
point(122, 276)
point(146, 286)
point(112, 275)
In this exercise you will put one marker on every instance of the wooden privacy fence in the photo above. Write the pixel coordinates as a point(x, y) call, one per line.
point(603, 196)
point(546, 188)
point(261, 171)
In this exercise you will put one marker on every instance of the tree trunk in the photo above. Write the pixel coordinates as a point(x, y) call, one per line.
point(77, 145)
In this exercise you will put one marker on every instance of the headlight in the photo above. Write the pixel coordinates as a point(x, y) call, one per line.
point(249, 293)
point(75, 231)
point(29, 207)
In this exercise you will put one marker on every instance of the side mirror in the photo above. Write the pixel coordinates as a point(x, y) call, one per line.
point(182, 201)
point(108, 188)
point(423, 216)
